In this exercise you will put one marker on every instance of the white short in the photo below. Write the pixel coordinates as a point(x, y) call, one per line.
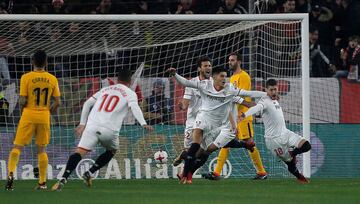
point(205, 123)
point(279, 146)
point(93, 135)
point(188, 137)
point(219, 137)
point(213, 131)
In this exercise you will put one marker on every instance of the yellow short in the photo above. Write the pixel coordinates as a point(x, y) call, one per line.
point(26, 130)
point(245, 130)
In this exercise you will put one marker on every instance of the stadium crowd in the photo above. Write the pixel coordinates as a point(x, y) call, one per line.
point(334, 24)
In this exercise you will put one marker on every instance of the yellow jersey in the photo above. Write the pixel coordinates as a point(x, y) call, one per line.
point(38, 87)
point(242, 80)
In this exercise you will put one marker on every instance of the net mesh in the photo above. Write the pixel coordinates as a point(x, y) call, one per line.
point(84, 55)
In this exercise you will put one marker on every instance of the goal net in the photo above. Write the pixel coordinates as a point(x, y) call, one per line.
point(84, 52)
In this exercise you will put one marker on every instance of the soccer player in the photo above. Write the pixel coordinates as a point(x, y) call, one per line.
point(245, 129)
point(102, 124)
point(36, 89)
point(192, 102)
point(216, 97)
point(278, 138)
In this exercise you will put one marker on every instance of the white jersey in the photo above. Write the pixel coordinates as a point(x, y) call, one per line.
point(111, 106)
point(215, 105)
point(272, 114)
point(194, 97)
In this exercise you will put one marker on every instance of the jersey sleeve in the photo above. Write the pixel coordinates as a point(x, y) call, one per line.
point(135, 109)
point(260, 107)
point(86, 110)
point(56, 92)
point(238, 100)
point(188, 93)
point(96, 95)
point(23, 86)
point(253, 94)
point(132, 98)
point(187, 83)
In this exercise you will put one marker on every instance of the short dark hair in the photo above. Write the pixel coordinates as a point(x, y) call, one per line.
point(202, 59)
point(313, 29)
point(124, 75)
point(354, 38)
point(238, 56)
point(39, 58)
point(218, 69)
point(271, 82)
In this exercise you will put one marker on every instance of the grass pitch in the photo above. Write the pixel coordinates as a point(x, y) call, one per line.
point(240, 191)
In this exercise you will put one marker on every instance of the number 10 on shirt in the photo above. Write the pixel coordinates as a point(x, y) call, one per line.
point(109, 102)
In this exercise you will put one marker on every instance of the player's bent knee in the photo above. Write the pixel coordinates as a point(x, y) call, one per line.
point(41, 149)
point(81, 151)
point(211, 148)
point(306, 146)
point(111, 152)
point(19, 147)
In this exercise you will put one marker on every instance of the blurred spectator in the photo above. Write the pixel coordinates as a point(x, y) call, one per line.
point(288, 7)
point(231, 7)
point(151, 7)
point(319, 62)
point(302, 6)
point(354, 57)
point(341, 68)
point(142, 7)
point(58, 7)
point(105, 7)
point(3, 7)
point(4, 71)
point(351, 21)
point(5, 49)
point(320, 18)
point(158, 7)
point(23, 32)
point(184, 7)
point(338, 20)
point(156, 108)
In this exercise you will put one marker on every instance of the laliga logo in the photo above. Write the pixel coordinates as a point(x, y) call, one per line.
point(83, 166)
point(227, 168)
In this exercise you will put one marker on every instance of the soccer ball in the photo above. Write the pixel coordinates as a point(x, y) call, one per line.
point(160, 157)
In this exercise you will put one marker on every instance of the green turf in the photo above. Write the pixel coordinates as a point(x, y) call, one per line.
point(240, 191)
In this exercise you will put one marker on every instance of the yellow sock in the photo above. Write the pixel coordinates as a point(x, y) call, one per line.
point(43, 164)
point(13, 160)
point(255, 157)
point(223, 155)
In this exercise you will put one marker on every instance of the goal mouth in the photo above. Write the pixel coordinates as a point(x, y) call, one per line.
point(84, 52)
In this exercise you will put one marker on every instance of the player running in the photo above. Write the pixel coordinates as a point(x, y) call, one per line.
point(109, 106)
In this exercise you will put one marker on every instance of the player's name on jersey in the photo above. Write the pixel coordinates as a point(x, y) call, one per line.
point(127, 169)
point(216, 98)
point(40, 79)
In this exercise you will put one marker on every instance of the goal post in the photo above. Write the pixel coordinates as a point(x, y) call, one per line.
point(84, 50)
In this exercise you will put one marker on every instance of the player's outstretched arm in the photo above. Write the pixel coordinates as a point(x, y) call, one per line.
point(248, 104)
point(136, 111)
point(252, 94)
point(252, 111)
point(239, 100)
point(182, 80)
